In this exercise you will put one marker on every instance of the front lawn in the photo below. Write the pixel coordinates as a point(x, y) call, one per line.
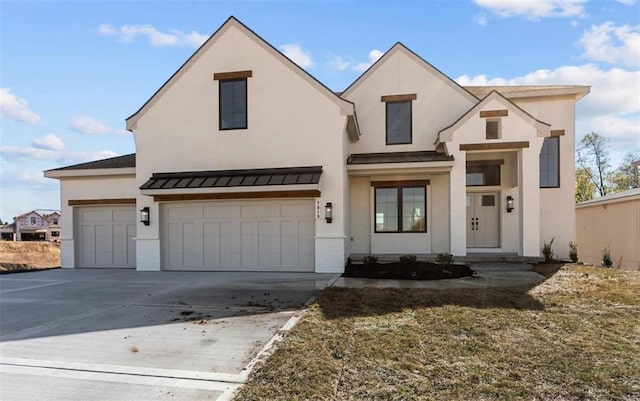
point(574, 337)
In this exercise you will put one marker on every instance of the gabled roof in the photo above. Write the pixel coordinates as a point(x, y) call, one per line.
point(125, 161)
point(399, 47)
point(344, 104)
point(446, 133)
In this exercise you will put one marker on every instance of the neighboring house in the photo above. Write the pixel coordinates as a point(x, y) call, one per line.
point(36, 225)
point(240, 153)
point(610, 221)
point(8, 232)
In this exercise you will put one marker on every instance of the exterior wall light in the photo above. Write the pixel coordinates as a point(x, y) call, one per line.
point(328, 212)
point(509, 203)
point(144, 216)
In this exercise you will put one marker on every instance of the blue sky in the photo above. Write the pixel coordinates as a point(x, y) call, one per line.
point(71, 72)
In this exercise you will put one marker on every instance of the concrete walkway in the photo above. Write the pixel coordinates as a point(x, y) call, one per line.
point(487, 275)
point(107, 334)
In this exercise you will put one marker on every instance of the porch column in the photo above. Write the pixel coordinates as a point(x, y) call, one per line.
point(529, 180)
point(458, 211)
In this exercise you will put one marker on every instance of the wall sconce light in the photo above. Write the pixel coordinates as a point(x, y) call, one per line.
point(144, 216)
point(328, 212)
point(509, 203)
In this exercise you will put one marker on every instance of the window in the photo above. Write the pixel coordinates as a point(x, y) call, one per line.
point(55, 233)
point(33, 221)
point(55, 221)
point(550, 163)
point(398, 123)
point(400, 209)
point(478, 176)
point(493, 129)
point(233, 104)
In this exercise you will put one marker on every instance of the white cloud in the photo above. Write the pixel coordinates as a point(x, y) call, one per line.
point(174, 37)
point(534, 9)
point(612, 44)
point(627, 2)
point(297, 55)
point(16, 108)
point(480, 19)
point(12, 153)
point(48, 142)
point(338, 63)
point(374, 55)
point(91, 126)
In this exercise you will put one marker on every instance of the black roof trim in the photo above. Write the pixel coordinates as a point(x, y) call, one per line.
point(125, 161)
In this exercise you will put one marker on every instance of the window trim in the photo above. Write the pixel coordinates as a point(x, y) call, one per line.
point(403, 98)
point(556, 138)
point(399, 185)
point(246, 103)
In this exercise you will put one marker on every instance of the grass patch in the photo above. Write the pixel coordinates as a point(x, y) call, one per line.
point(574, 337)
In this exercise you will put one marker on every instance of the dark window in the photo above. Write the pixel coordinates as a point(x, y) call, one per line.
point(493, 130)
point(33, 221)
point(400, 209)
point(55, 233)
point(550, 163)
point(233, 104)
point(398, 123)
point(488, 200)
point(55, 221)
point(478, 176)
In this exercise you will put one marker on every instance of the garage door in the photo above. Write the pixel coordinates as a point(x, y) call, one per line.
point(239, 236)
point(104, 236)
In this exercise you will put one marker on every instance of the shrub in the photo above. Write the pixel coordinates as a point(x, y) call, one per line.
point(573, 252)
point(547, 251)
point(606, 257)
point(444, 258)
point(370, 260)
point(408, 259)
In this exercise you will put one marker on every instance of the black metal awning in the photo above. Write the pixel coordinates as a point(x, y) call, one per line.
point(234, 178)
point(398, 157)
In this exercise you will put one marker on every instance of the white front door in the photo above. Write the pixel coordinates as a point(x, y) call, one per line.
point(483, 220)
point(264, 235)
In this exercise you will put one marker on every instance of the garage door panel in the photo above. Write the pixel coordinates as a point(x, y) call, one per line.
point(241, 235)
point(105, 236)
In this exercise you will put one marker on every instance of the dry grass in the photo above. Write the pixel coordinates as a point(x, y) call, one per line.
point(574, 337)
point(20, 256)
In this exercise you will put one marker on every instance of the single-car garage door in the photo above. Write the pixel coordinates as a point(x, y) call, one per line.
point(269, 235)
point(104, 236)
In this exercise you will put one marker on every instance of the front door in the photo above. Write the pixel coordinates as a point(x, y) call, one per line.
point(483, 220)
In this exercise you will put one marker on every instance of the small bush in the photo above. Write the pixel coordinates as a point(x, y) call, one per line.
point(547, 251)
point(606, 257)
point(408, 259)
point(573, 252)
point(370, 260)
point(444, 258)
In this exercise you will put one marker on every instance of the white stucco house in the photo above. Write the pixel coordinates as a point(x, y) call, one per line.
point(241, 151)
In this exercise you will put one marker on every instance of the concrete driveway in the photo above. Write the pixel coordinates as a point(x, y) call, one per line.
point(108, 334)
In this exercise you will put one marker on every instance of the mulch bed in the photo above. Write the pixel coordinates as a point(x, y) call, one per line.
point(413, 271)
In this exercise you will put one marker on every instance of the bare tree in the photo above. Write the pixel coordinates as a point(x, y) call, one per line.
point(593, 157)
point(627, 175)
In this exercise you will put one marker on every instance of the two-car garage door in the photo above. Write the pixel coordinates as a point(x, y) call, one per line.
point(261, 235)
